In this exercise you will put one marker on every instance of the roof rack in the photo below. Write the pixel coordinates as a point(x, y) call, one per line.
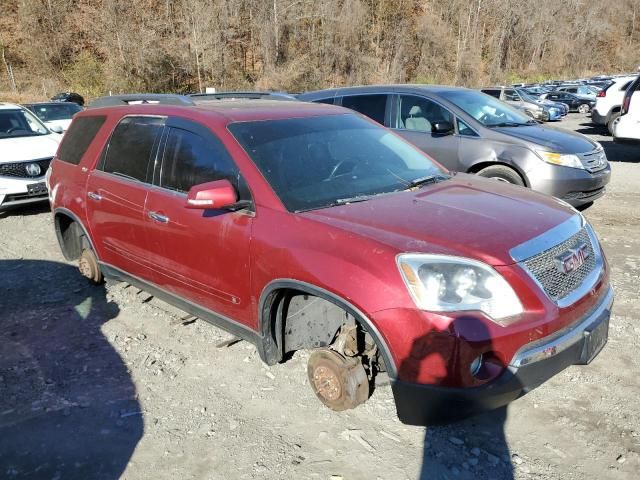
point(141, 98)
point(241, 96)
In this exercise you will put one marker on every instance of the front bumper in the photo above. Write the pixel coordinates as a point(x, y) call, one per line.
point(575, 186)
point(531, 366)
point(19, 191)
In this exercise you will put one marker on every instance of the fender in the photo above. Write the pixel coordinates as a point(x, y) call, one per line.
point(267, 322)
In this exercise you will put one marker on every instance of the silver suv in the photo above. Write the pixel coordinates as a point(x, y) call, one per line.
point(468, 131)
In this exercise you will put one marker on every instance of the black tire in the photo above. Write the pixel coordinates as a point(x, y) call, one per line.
point(612, 119)
point(503, 174)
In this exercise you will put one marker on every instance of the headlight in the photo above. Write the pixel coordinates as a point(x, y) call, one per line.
point(440, 283)
point(566, 160)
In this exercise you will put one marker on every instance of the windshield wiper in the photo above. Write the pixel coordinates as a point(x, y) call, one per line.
point(355, 199)
point(507, 124)
point(427, 180)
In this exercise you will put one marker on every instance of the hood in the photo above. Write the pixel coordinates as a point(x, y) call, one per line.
point(465, 216)
point(64, 124)
point(552, 138)
point(29, 148)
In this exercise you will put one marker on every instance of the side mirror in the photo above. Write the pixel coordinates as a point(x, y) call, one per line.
point(442, 128)
point(218, 194)
point(56, 129)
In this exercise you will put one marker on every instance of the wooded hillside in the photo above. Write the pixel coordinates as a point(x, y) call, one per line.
point(97, 46)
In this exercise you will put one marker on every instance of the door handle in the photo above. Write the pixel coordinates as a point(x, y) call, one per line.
point(94, 196)
point(158, 218)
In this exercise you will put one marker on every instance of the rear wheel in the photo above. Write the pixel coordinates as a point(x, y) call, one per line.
point(612, 119)
point(584, 108)
point(340, 382)
point(502, 173)
point(89, 268)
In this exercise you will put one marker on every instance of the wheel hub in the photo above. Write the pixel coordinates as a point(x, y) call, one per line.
point(327, 383)
point(85, 268)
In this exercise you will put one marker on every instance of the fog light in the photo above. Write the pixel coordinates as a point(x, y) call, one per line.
point(475, 366)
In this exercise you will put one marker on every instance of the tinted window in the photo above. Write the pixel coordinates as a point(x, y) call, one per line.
point(419, 113)
point(58, 111)
point(190, 159)
point(328, 160)
point(78, 138)
point(131, 145)
point(626, 85)
point(511, 96)
point(493, 93)
point(373, 106)
point(329, 101)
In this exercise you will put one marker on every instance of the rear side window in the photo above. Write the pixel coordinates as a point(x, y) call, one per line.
point(131, 145)
point(190, 159)
point(373, 106)
point(328, 101)
point(78, 138)
point(626, 85)
point(493, 93)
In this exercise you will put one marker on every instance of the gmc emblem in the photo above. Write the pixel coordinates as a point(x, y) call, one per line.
point(572, 259)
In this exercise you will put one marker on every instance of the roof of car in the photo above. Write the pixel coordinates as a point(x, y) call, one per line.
point(381, 88)
point(50, 103)
point(10, 106)
point(229, 111)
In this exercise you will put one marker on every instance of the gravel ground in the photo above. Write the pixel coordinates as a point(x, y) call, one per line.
point(106, 382)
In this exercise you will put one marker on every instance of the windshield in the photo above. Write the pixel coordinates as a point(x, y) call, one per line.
point(20, 123)
point(489, 111)
point(318, 162)
point(57, 111)
point(527, 97)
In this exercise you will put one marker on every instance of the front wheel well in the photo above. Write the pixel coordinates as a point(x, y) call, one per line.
point(475, 168)
point(305, 318)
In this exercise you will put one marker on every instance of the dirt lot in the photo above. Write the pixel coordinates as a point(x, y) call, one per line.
point(98, 383)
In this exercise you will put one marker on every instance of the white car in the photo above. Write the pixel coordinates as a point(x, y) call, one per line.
point(627, 126)
point(26, 149)
point(609, 102)
point(55, 115)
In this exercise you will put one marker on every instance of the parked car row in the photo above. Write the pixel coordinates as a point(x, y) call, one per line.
point(306, 225)
point(603, 96)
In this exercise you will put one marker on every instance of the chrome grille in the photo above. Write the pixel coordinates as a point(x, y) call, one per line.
point(594, 161)
point(555, 283)
point(19, 169)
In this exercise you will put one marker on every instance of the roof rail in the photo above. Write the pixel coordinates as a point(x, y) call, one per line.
point(141, 98)
point(241, 96)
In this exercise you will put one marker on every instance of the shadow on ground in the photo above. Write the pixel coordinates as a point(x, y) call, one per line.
point(457, 444)
point(27, 210)
point(471, 449)
point(68, 406)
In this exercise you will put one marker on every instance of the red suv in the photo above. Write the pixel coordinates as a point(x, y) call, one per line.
point(307, 226)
